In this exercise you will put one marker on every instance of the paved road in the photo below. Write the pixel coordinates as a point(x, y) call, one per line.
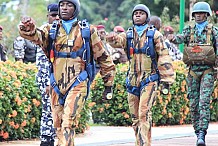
point(124, 136)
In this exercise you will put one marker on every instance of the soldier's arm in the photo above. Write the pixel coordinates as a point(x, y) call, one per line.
point(164, 62)
point(117, 40)
point(100, 54)
point(184, 37)
point(38, 36)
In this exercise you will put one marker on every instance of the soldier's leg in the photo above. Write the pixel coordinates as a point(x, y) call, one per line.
point(147, 98)
point(194, 95)
point(57, 112)
point(72, 109)
point(47, 133)
point(207, 84)
point(133, 102)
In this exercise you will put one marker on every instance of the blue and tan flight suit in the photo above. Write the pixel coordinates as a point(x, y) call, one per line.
point(67, 70)
point(144, 75)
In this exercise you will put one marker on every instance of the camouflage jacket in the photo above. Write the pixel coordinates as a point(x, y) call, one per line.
point(174, 52)
point(24, 49)
point(141, 64)
point(185, 37)
point(67, 69)
point(42, 62)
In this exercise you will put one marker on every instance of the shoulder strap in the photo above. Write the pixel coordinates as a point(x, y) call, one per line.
point(209, 31)
point(150, 34)
point(52, 37)
point(129, 36)
point(86, 34)
point(191, 34)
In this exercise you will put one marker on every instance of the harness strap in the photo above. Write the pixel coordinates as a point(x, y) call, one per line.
point(209, 30)
point(137, 90)
point(198, 78)
point(149, 50)
point(191, 34)
point(83, 52)
point(80, 78)
point(79, 53)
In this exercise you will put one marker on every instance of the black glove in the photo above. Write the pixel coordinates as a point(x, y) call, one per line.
point(164, 88)
point(107, 94)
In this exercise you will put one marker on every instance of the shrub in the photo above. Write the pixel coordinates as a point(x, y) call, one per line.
point(20, 102)
point(171, 109)
point(112, 112)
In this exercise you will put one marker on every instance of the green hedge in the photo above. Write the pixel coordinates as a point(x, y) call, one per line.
point(171, 109)
point(20, 103)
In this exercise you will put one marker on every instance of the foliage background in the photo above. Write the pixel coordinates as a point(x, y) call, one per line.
point(20, 102)
point(171, 109)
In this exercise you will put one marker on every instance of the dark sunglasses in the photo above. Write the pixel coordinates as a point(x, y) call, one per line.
point(53, 15)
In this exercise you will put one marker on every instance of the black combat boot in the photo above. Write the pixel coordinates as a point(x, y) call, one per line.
point(47, 143)
point(201, 138)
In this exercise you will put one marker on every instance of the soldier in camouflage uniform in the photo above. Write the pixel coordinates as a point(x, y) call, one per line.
point(120, 53)
point(47, 132)
point(173, 48)
point(69, 70)
point(202, 36)
point(142, 69)
point(24, 50)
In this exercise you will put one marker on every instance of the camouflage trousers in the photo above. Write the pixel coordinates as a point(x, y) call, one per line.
point(66, 117)
point(199, 92)
point(47, 132)
point(140, 109)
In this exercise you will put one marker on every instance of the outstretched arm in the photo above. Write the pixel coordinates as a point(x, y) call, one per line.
point(28, 30)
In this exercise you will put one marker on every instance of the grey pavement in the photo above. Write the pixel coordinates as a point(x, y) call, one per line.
point(181, 135)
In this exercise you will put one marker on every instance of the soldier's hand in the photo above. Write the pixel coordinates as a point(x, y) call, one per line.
point(164, 88)
point(27, 24)
point(107, 94)
point(111, 36)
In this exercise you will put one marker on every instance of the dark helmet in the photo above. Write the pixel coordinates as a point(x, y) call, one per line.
point(143, 8)
point(76, 4)
point(202, 7)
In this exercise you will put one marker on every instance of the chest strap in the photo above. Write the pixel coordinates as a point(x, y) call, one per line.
point(80, 53)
